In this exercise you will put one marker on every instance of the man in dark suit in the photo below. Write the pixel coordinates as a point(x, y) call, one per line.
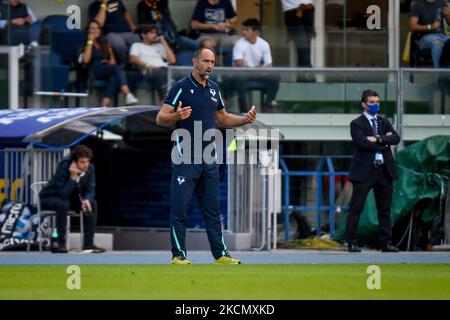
point(373, 167)
point(73, 186)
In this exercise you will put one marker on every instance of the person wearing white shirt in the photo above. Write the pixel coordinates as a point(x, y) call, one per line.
point(152, 56)
point(299, 21)
point(252, 51)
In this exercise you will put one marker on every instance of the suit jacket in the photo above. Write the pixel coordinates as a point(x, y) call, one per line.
point(61, 186)
point(362, 162)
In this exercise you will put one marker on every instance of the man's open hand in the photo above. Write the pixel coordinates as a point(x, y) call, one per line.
point(250, 117)
point(183, 113)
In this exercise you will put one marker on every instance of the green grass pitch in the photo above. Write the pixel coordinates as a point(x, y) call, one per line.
point(213, 282)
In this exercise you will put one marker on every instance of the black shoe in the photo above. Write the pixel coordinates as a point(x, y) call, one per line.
point(353, 247)
point(93, 249)
point(389, 248)
point(59, 249)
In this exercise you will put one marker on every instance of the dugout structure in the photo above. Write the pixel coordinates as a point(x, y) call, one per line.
point(33, 141)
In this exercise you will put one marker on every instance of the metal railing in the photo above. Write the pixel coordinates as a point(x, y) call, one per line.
point(22, 167)
point(419, 92)
point(319, 173)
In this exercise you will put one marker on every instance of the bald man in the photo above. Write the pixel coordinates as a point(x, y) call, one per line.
point(193, 99)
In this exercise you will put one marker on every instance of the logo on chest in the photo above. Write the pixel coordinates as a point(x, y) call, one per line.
point(181, 180)
point(213, 94)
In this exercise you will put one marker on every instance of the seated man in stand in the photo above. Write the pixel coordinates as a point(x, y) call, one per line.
point(22, 25)
point(152, 57)
point(252, 51)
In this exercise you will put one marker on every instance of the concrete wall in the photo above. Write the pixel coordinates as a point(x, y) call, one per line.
point(159, 239)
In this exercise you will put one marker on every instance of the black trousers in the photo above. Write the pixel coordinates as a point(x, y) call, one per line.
point(382, 187)
point(62, 207)
point(301, 30)
point(204, 180)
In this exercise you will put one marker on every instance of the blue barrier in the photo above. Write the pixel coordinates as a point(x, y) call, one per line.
point(318, 173)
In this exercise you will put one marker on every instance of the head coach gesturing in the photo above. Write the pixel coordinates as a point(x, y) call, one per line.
point(194, 100)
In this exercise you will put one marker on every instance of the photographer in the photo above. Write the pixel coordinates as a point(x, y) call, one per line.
point(73, 187)
point(152, 57)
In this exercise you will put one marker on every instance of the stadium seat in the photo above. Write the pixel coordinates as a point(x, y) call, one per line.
point(136, 81)
point(54, 75)
point(65, 42)
point(44, 72)
point(419, 58)
point(225, 57)
point(184, 58)
point(255, 85)
point(50, 24)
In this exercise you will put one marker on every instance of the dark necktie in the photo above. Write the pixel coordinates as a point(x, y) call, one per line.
point(374, 125)
point(378, 155)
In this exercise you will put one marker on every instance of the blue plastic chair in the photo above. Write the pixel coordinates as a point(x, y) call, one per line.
point(65, 42)
point(184, 58)
point(54, 76)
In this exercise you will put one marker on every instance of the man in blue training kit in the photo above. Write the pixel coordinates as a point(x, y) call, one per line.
point(196, 100)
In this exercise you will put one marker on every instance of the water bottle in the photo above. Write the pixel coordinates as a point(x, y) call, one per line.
point(54, 240)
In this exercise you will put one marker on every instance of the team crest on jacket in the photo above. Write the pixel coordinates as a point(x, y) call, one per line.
point(181, 180)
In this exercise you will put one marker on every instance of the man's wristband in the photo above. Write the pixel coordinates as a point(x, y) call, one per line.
point(103, 6)
point(90, 42)
point(429, 27)
point(147, 65)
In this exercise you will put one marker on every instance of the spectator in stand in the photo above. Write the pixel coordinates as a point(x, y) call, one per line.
point(117, 24)
point(252, 51)
point(299, 21)
point(152, 57)
point(23, 26)
point(99, 57)
point(427, 19)
point(208, 42)
point(156, 12)
point(216, 19)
